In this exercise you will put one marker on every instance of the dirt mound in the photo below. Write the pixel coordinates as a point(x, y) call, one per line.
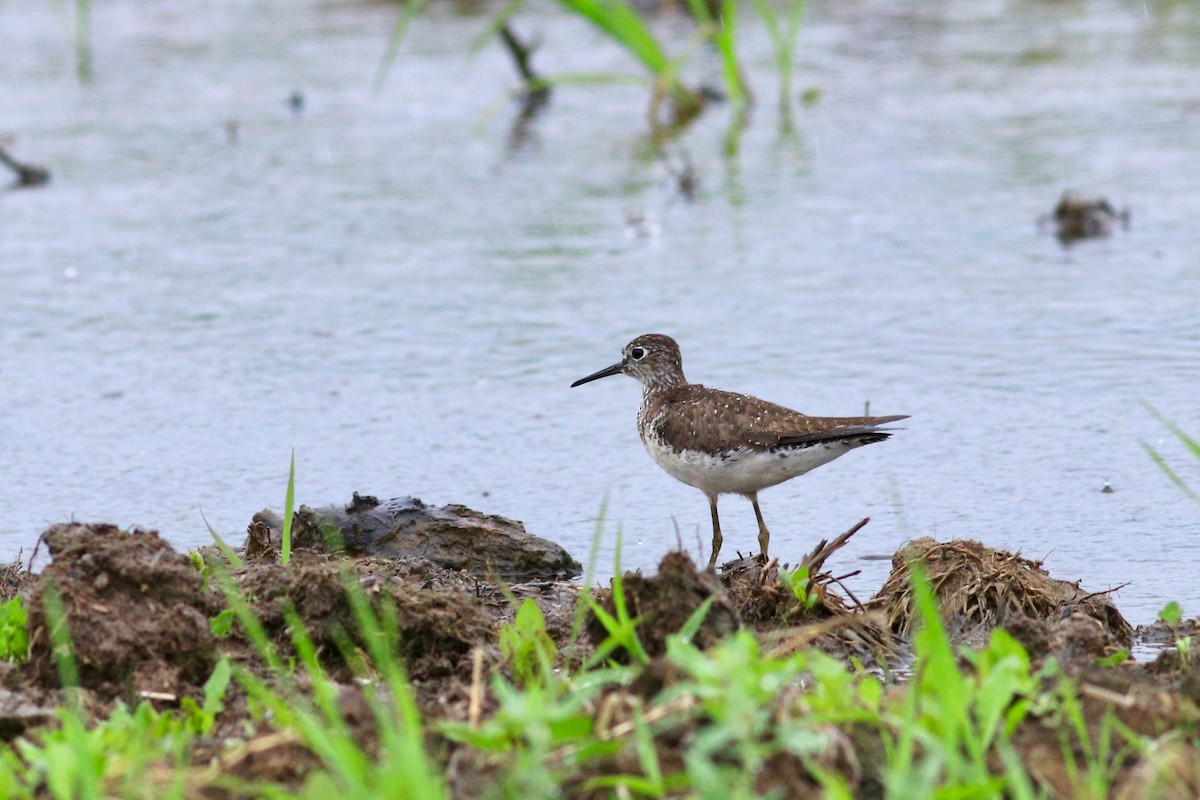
point(438, 626)
point(790, 617)
point(663, 603)
point(1076, 639)
point(786, 611)
point(136, 609)
point(979, 588)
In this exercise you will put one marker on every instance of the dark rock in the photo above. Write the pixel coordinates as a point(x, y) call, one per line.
point(453, 537)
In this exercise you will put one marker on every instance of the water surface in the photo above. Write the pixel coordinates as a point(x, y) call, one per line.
point(401, 286)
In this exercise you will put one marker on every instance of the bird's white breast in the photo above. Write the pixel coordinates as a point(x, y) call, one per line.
point(742, 470)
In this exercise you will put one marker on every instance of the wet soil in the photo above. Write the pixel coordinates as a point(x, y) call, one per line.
point(136, 610)
point(139, 619)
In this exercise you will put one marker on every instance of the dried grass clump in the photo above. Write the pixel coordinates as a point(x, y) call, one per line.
point(978, 588)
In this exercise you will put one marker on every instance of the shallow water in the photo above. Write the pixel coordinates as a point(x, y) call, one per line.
point(401, 286)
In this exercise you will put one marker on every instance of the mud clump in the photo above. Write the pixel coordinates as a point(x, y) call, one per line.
point(137, 613)
point(438, 626)
point(1077, 639)
point(664, 602)
point(979, 588)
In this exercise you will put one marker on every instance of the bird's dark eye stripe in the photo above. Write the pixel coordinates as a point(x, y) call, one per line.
point(637, 353)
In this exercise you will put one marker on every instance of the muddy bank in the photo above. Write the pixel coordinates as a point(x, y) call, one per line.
point(142, 619)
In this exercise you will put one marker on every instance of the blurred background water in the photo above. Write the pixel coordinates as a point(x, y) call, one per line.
point(402, 284)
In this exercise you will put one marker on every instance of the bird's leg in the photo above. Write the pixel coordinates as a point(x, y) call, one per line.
point(717, 539)
point(764, 535)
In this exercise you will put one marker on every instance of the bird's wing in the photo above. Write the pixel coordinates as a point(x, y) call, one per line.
point(700, 418)
point(811, 430)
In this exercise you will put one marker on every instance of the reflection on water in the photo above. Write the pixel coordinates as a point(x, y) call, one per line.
point(384, 283)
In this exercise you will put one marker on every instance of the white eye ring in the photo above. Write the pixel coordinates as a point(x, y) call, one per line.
point(637, 353)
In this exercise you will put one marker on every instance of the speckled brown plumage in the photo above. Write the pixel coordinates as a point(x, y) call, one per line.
point(691, 416)
point(724, 442)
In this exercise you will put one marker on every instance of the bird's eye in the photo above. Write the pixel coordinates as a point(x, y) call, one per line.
point(637, 354)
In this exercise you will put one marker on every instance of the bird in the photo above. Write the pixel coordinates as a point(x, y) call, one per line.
point(723, 442)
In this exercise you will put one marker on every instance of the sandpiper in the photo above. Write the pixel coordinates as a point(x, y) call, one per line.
point(728, 443)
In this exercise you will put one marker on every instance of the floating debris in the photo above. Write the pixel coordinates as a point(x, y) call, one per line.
point(27, 174)
point(1075, 218)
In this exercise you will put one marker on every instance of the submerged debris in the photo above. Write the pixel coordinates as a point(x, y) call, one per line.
point(27, 174)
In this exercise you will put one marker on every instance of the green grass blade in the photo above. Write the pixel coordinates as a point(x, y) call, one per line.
point(701, 12)
point(1169, 472)
point(251, 624)
point(585, 590)
point(692, 625)
point(625, 27)
point(289, 502)
point(1191, 444)
point(55, 614)
point(784, 44)
point(83, 40)
point(407, 14)
point(399, 719)
point(726, 42)
point(230, 554)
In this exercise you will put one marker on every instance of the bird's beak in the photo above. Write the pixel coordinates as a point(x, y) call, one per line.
point(615, 369)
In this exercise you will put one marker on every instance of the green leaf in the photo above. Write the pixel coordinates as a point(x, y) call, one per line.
point(528, 648)
point(1171, 613)
point(222, 623)
point(14, 631)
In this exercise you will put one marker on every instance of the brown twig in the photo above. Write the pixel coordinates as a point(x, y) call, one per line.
point(857, 603)
point(535, 85)
point(824, 549)
point(475, 705)
point(792, 640)
point(1106, 591)
point(27, 174)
